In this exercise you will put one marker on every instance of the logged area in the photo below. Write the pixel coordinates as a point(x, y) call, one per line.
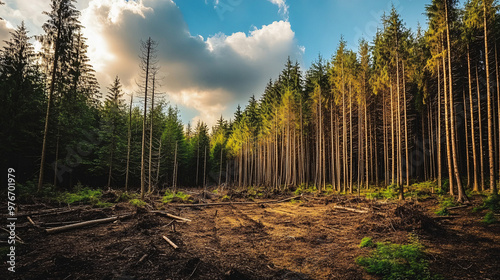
point(311, 237)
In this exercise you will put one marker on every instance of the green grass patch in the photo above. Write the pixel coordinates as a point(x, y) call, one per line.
point(137, 203)
point(176, 197)
point(489, 218)
point(445, 202)
point(294, 201)
point(491, 203)
point(303, 188)
point(366, 242)
point(395, 261)
point(83, 196)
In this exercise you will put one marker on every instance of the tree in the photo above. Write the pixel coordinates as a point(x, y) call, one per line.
point(22, 97)
point(59, 30)
point(148, 64)
point(114, 123)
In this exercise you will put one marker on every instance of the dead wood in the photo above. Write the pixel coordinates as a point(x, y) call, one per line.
point(457, 207)
point(53, 211)
point(170, 242)
point(171, 216)
point(83, 224)
point(350, 209)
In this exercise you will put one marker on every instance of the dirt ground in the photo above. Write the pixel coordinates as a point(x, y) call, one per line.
point(307, 240)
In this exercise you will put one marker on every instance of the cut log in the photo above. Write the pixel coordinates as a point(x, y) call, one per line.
point(350, 209)
point(170, 242)
point(234, 203)
point(171, 216)
point(83, 224)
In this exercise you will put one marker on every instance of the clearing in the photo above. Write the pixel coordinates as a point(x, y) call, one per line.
point(314, 238)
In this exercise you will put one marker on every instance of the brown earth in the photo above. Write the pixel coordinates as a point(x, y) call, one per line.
point(308, 240)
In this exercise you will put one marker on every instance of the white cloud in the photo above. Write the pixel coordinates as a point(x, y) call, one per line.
point(283, 7)
point(210, 75)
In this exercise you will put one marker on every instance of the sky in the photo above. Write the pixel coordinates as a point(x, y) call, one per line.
point(213, 54)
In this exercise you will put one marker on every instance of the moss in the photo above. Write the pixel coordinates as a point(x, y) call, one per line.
point(177, 196)
point(137, 203)
point(366, 242)
point(394, 261)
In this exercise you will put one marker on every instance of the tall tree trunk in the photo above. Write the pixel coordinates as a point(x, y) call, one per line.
point(151, 133)
point(174, 172)
point(143, 167)
point(128, 142)
point(489, 104)
point(49, 102)
point(481, 142)
point(472, 126)
point(461, 192)
point(447, 128)
point(466, 140)
point(439, 152)
point(406, 131)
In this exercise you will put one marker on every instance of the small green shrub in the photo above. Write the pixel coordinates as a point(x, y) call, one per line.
point(178, 196)
point(303, 188)
point(84, 195)
point(137, 203)
point(126, 196)
point(225, 198)
point(293, 201)
point(491, 203)
point(366, 242)
point(329, 189)
point(445, 202)
point(489, 218)
point(395, 261)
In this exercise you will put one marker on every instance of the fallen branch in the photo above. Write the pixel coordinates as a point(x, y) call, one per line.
point(350, 209)
point(457, 207)
point(31, 222)
point(142, 258)
point(54, 211)
point(170, 242)
point(83, 224)
point(171, 216)
point(234, 203)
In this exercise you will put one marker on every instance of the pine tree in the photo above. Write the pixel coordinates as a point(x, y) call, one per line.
point(59, 30)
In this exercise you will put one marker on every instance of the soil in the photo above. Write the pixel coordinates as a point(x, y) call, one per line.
point(289, 240)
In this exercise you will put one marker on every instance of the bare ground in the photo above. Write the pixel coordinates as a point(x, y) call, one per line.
point(308, 240)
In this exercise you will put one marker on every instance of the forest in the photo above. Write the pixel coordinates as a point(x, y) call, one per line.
point(411, 116)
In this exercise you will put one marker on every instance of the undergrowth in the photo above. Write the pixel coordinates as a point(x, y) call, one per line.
point(83, 195)
point(492, 204)
point(445, 202)
point(395, 261)
point(137, 203)
point(303, 188)
point(175, 197)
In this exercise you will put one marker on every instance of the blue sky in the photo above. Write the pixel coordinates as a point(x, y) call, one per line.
point(214, 54)
point(318, 24)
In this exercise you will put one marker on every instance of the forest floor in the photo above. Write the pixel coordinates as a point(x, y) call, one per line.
point(312, 238)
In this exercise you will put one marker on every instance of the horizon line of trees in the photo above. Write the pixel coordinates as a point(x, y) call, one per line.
point(406, 107)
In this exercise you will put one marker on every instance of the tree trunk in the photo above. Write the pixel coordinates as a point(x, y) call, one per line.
point(128, 142)
point(461, 192)
point(472, 126)
point(143, 167)
point(489, 105)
